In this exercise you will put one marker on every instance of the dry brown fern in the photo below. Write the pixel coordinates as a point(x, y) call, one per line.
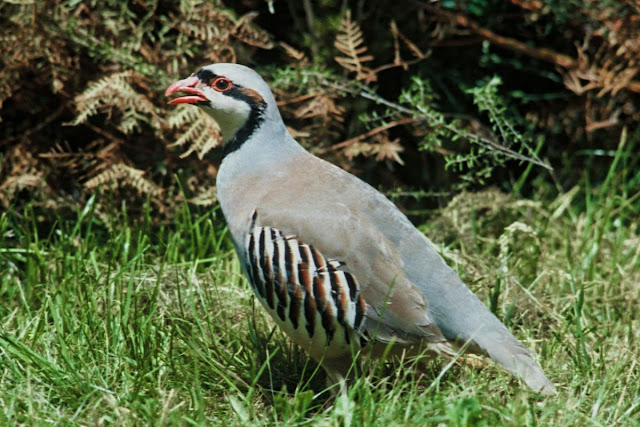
point(120, 175)
point(608, 69)
point(297, 55)
point(115, 92)
point(388, 149)
point(202, 133)
point(216, 27)
point(249, 34)
point(51, 50)
point(315, 118)
point(86, 161)
point(350, 43)
point(212, 25)
point(206, 197)
point(379, 145)
point(20, 170)
point(323, 106)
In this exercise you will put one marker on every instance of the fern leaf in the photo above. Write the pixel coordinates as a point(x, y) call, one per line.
point(389, 150)
point(350, 43)
point(249, 34)
point(202, 135)
point(116, 93)
point(206, 197)
point(119, 175)
point(181, 116)
point(294, 53)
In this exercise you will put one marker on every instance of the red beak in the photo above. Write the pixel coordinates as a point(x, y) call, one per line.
point(187, 85)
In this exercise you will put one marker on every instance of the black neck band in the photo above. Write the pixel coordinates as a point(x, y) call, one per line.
point(255, 119)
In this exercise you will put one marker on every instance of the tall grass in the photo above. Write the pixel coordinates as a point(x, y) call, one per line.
point(152, 325)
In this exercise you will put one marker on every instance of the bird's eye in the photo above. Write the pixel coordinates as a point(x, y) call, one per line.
point(221, 84)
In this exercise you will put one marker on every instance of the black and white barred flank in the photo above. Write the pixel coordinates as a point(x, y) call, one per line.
point(314, 301)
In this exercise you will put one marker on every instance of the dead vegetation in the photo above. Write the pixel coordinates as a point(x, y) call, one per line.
point(81, 91)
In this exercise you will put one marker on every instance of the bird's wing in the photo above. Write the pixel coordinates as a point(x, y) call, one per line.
point(395, 308)
point(459, 314)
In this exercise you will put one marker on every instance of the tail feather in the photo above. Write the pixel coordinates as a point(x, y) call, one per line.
point(506, 350)
point(464, 319)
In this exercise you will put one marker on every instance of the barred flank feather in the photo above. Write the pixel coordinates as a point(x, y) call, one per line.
point(302, 289)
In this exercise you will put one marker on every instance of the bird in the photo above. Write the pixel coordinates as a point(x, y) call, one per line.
point(335, 263)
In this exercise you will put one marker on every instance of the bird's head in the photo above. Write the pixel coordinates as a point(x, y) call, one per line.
point(234, 95)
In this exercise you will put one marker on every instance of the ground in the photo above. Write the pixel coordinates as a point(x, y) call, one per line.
point(155, 325)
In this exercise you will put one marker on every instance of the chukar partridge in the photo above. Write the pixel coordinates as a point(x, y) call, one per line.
point(334, 262)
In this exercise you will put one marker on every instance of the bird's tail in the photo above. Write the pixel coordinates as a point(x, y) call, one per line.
point(502, 347)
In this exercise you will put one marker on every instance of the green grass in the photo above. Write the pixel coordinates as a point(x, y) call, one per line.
point(148, 325)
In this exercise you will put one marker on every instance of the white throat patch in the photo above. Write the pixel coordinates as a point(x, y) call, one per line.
point(231, 114)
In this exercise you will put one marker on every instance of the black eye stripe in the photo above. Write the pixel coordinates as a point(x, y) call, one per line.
point(209, 78)
point(205, 76)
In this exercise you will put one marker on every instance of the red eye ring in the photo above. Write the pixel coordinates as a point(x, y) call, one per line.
point(221, 84)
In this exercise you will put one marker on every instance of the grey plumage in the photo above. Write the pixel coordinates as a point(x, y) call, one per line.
point(412, 297)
